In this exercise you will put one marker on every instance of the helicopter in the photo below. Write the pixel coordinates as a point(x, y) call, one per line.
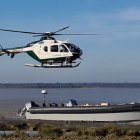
point(48, 51)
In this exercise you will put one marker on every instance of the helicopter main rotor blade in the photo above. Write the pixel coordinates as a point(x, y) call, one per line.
point(47, 33)
point(51, 33)
point(62, 34)
point(60, 29)
point(76, 34)
point(37, 33)
point(7, 30)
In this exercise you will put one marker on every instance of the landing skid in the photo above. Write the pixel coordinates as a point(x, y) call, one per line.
point(52, 66)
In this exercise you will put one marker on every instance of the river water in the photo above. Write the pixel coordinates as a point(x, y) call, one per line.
point(12, 99)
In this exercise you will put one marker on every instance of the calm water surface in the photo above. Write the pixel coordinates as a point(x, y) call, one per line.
point(116, 95)
point(13, 99)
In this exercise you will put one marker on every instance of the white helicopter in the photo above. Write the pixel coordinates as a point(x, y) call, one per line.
point(49, 52)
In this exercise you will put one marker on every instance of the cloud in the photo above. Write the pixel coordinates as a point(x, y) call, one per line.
point(116, 20)
point(128, 14)
point(131, 14)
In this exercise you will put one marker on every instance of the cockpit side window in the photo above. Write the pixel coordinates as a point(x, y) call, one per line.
point(71, 47)
point(63, 48)
point(45, 49)
point(54, 48)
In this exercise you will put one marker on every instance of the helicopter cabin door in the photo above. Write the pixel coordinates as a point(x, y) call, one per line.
point(54, 52)
point(63, 51)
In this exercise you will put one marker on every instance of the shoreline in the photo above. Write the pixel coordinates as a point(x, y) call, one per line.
point(70, 85)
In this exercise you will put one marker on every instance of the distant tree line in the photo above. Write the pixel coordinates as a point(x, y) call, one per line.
point(69, 85)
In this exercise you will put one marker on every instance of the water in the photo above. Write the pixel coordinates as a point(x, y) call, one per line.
point(117, 95)
point(83, 94)
point(11, 99)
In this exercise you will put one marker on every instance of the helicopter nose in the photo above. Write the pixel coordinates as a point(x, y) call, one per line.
point(80, 52)
point(77, 53)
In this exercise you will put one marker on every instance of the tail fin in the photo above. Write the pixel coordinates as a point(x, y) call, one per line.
point(1, 50)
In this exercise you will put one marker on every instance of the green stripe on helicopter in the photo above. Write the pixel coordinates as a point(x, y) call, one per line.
point(33, 55)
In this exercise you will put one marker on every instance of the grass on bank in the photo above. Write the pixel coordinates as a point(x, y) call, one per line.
point(45, 131)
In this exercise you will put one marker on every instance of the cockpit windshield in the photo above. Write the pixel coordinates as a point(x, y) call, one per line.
point(71, 47)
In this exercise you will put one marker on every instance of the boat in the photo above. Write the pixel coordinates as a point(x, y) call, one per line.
point(71, 111)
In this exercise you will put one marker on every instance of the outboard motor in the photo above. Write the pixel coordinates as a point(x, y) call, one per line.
point(27, 107)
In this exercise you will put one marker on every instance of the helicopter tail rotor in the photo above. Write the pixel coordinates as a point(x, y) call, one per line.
point(5, 51)
point(1, 50)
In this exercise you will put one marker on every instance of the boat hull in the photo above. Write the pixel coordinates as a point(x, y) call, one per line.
point(122, 116)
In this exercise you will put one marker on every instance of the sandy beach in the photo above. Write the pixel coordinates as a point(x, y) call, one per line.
point(9, 108)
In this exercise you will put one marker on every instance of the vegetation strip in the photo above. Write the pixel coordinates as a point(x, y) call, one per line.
point(58, 130)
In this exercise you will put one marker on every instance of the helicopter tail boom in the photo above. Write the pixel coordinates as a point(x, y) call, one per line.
point(11, 51)
point(8, 52)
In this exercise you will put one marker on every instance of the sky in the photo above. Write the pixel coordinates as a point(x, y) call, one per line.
point(113, 55)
